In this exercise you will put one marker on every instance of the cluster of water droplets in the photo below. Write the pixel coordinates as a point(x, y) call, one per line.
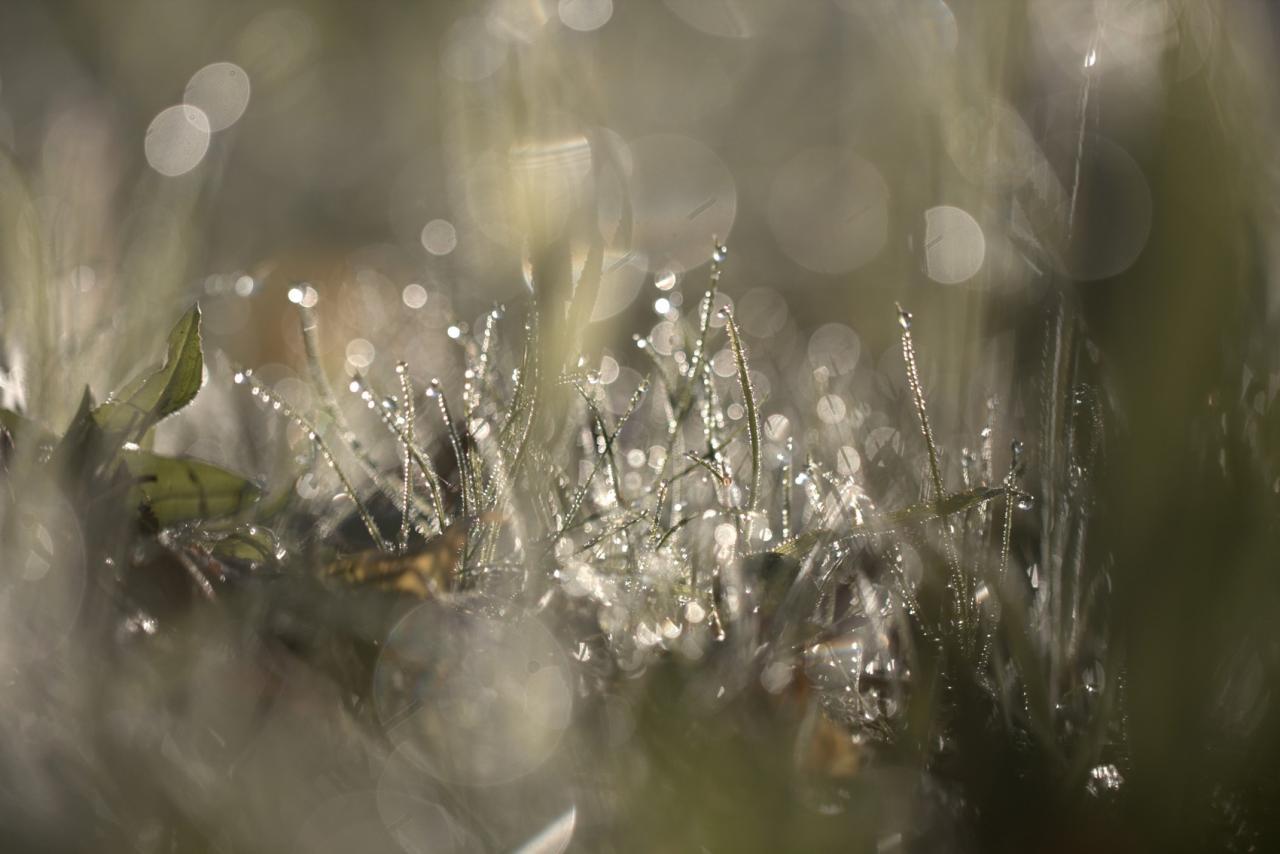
point(274, 402)
point(650, 542)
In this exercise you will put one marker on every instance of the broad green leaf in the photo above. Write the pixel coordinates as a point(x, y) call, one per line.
point(133, 409)
point(179, 490)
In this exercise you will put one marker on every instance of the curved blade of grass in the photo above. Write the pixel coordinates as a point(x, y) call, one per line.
point(720, 474)
point(749, 403)
point(605, 441)
point(459, 453)
point(580, 495)
point(917, 514)
point(329, 403)
point(435, 487)
point(322, 446)
point(917, 398)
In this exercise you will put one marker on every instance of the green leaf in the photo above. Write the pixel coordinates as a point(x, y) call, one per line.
point(133, 409)
point(83, 449)
point(179, 490)
point(23, 429)
point(252, 544)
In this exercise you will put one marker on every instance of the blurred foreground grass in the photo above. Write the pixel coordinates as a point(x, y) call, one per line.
point(204, 689)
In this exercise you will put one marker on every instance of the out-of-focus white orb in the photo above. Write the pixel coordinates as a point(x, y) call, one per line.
point(730, 19)
point(954, 246)
point(221, 90)
point(472, 699)
point(683, 197)
point(177, 140)
point(829, 210)
point(471, 51)
point(620, 284)
point(585, 15)
point(835, 347)
point(414, 295)
point(439, 237)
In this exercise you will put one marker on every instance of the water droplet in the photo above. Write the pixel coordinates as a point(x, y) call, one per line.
point(1104, 778)
point(1015, 461)
point(1093, 677)
point(904, 318)
point(719, 253)
point(238, 378)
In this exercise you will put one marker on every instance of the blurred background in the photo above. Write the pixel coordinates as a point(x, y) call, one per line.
point(966, 159)
point(402, 168)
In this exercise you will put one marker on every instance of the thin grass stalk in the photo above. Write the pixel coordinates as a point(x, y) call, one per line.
point(407, 412)
point(321, 445)
point(749, 404)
